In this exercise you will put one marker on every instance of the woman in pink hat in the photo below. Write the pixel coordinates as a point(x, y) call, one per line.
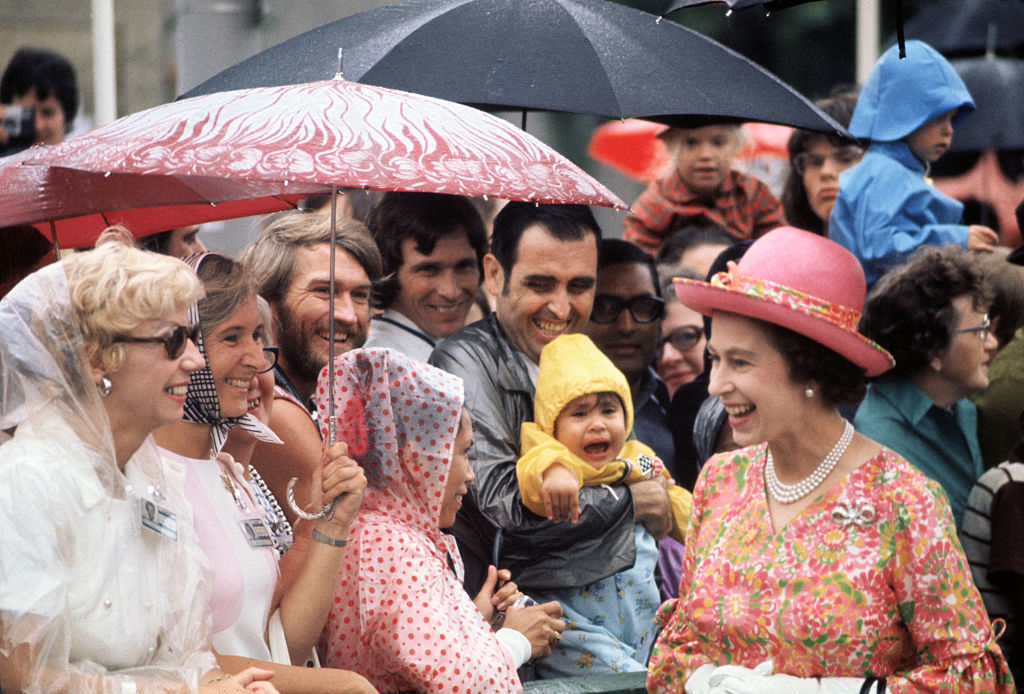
point(816, 559)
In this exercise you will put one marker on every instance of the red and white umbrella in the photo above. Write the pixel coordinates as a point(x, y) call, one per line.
point(250, 151)
point(221, 154)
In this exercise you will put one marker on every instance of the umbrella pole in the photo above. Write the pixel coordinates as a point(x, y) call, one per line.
point(327, 510)
point(53, 240)
point(331, 425)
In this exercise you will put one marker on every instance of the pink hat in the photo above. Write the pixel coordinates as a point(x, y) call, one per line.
point(798, 280)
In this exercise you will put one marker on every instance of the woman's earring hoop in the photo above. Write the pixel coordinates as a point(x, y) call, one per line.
point(104, 387)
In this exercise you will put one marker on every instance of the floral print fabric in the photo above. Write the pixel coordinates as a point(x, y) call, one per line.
point(868, 580)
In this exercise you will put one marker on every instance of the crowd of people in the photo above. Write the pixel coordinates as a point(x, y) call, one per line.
point(751, 447)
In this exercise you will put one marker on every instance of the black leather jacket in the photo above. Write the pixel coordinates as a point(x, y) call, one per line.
point(540, 554)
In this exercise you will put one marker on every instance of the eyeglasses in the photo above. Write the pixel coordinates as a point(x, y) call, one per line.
point(682, 339)
point(270, 354)
point(643, 309)
point(173, 342)
point(842, 158)
point(982, 329)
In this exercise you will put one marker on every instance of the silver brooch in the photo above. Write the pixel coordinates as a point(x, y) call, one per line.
point(847, 513)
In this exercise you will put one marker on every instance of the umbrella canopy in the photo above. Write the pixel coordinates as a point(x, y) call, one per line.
point(270, 146)
point(576, 56)
point(970, 27)
point(997, 86)
point(768, 5)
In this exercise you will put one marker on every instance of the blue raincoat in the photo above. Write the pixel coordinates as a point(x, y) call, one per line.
point(886, 207)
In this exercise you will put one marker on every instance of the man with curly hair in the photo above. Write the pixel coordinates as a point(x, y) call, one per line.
point(931, 315)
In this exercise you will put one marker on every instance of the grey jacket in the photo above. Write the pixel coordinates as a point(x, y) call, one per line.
point(540, 554)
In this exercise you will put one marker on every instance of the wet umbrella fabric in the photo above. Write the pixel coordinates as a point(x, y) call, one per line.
point(997, 86)
point(287, 142)
point(970, 27)
point(768, 5)
point(576, 56)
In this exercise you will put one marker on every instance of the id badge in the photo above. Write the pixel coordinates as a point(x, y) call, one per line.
point(257, 534)
point(159, 520)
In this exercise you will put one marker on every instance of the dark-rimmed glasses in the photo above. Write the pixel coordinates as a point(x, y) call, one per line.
point(683, 339)
point(270, 354)
point(173, 342)
point(644, 309)
point(982, 329)
point(842, 158)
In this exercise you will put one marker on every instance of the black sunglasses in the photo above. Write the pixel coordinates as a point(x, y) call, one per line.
point(682, 339)
point(644, 309)
point(173, 342)
point(270, 354)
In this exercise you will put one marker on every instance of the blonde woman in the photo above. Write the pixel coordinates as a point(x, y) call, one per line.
point(103, 586)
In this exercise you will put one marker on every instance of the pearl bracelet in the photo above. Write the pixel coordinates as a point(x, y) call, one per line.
point(320, 537)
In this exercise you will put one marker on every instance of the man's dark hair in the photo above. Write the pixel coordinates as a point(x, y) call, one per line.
point(564, 222)
point(910, 310)
point(613, 251)
point(692, 236)
point(48, 73)
point(427, 218)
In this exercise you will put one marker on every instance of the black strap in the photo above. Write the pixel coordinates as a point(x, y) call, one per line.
point(879, 683)
point(423, 336)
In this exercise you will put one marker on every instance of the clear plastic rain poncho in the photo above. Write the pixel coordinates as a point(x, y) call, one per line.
point(103, 587)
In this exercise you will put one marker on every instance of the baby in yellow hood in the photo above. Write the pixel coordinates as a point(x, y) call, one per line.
point(583, 412)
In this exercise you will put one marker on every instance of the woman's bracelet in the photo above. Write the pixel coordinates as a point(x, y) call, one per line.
point(320, 537)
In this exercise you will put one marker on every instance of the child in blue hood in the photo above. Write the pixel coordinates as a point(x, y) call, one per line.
point(886, 207)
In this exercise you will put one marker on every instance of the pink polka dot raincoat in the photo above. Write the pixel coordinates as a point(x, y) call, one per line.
point(401, 617)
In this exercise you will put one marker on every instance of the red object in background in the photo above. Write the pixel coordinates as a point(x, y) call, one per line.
point(985, 182)
point(631, 146)
point(163, 167)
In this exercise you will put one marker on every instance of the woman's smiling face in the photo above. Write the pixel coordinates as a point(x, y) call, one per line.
point(234, 350)
point(753, 380)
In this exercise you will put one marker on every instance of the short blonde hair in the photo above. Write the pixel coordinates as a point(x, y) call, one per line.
point(116, 286)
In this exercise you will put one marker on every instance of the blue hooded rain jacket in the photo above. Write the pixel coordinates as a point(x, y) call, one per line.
point(886, 207)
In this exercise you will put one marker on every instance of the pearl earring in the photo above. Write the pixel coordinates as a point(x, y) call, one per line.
point(809, 392)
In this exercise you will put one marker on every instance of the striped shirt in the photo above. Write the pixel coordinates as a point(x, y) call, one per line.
point(993, 525)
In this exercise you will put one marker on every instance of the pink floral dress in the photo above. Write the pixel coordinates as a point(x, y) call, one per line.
point(401, 617)
point(869, 580)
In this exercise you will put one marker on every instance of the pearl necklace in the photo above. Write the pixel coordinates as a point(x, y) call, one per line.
point(790, 493)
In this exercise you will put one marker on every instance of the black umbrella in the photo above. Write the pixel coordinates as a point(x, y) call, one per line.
point(575, 56)
point(768, 5)
point(772, 5)
point(997, 85)
point(970, 27)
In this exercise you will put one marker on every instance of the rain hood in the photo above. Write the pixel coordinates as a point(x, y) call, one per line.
point(571, 366)
point(401, 617)
point(902, 94)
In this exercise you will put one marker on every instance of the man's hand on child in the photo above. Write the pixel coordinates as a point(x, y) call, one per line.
point(561, 494)
point(981, 238)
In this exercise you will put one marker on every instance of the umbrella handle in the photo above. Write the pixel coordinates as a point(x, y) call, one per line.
point(326, 513)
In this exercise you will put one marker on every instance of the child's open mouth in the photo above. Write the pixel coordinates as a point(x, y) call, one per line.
point(597, 450)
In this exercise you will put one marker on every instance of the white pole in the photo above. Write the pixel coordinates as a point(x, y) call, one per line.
point(867, 37)
point(103, 65)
